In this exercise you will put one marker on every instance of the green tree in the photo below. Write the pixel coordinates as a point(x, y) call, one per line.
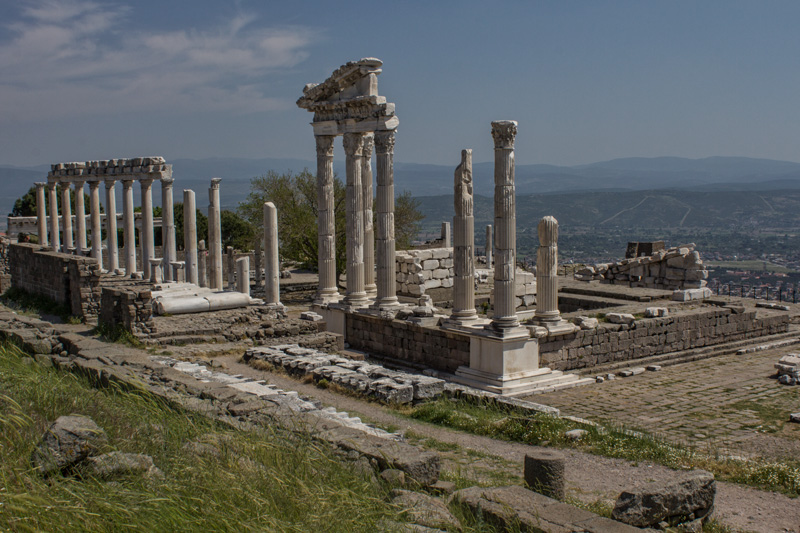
point(202, 226)
point(407, 220)
point(236, 231)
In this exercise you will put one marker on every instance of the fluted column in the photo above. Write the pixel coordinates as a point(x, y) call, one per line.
point(190, 237)
point(272, 272)
point(326, 221)
point(354, 200)
point(488, 246)
point(505, 223)
point(80, 219)
point(214, 236)
point(148, 243)
point(66, 217)
point(385, 245)
point(97, 230)
point(169, 253)
point(547, 272)
point(369, 232)
point(128, 227)
point(111, 225)
point(463, 244)
point(55, 238)
point(41, 213)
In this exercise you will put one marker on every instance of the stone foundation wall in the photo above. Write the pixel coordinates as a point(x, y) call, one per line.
point(429, 347)
point(67, 279)
point(130, 308)
point(5, 272)
point(419, 271)
point(653, 336)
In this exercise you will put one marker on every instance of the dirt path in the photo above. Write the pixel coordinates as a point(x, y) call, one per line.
point(589, 478)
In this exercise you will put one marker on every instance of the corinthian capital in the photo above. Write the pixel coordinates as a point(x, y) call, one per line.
point(384, 142)
point(324, 145)
point(354, 144)
point(504, 132)
point(369, 141)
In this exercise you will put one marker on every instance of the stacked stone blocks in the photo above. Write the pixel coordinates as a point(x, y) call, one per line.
point(419, 271)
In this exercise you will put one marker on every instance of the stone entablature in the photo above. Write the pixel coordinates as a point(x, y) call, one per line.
point(135, 168)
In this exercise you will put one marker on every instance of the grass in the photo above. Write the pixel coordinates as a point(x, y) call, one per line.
point(37, 305)
point(483, 417)
point(285, 484)
point(117, 334)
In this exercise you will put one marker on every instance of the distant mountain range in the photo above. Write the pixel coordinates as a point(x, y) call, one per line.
point(710, 174)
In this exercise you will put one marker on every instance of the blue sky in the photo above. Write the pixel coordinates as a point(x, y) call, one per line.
point(587, 80)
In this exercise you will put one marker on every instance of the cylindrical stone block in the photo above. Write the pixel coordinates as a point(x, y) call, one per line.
point(202, 264)
point(190, 236)
point(385, 243)
point(547, 272)
point(66, 218)
point(168, 246)
point(55, 237)
point(128, 227)
point(326, 229)
point(147, 236)
point(80, 219)
point(354, 200)
point(111, 225)
point(272, 260)
point(214, 236)
point(544, 472)
point(230, 255)
point(97, 226)
point(243, 275)
point(41, 213)
point(489, 246)
point(369, 232)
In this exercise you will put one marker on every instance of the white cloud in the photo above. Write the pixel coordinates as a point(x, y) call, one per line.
point(66, 58)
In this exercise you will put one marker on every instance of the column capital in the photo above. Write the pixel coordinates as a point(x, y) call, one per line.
point(369, 142)
point(52, 185)
point(167, 182)
point(40, 184)
point(110, 182)
point(94, 185)
point(384, 141)
point(127, 183)
point(146, 182)
point(504, 132)
point(324, 145)
point(354, 144)
point(215, 183)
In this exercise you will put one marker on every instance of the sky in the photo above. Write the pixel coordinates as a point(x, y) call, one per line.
point(586, 80)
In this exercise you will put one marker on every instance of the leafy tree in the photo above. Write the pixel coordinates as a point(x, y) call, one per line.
point(236, 231)
point(202, 225)
point(295, 196)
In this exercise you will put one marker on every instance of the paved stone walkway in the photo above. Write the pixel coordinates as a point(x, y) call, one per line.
point(728, 403)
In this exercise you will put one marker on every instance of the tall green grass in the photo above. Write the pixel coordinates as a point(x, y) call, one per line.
point(261, 481)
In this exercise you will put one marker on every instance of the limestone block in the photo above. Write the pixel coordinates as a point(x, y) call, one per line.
point(620, 318)
point(440, 273)
point(416, 290)
point(675, 274)
point(432, 283)
point(430, 264)
point(691, 294)
point(585, 322)
point(652, 312)
point(441, 253)
point(696, 275)
point(447, 282)
point(422, 255)
point(446, 263)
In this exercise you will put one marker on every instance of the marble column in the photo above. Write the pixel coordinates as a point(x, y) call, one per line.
point(169, 252)
point(190, 236)
point(230, 255)
point(111, 225)
point(55, 237)
point(272, 268)
point(354, 199)
point(243, 275)
point(369, 232)
point(257, 260)
point(326, 221)
point(385, 258)
point(202, 264)
point(97, 229)
point(488, 246)
point(80, 219)
point(41, 213)
point(146, 236)
point(463, 245)
point(446, 235)
point(547, 272)
point(66, 217)
point(214, 236)
point(505, 224)
point(128, 227)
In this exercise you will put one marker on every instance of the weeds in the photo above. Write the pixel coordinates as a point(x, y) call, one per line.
point(117, 334)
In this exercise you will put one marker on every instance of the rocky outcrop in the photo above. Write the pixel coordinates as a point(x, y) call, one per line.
point(67, 442)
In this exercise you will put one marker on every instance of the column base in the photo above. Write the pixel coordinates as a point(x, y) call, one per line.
point(327, 296)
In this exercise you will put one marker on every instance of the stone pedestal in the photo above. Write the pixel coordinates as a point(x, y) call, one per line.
point(80, 219)
point(41, 213)
point(214, 236)
point(111, 226)
point(272, 272)
point(326, 226)
point(128, 228)
point(148, 244)
point(386, 298)
point(168, 247)
point(55, 237)
point(156, 270)
point(355, 296)
point(66, 218)
point(190, 236)
point(97, 227)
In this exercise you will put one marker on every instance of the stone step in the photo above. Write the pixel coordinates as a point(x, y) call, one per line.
point(695, 354)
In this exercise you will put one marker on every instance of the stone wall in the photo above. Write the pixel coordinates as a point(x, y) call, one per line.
point(5, 271)
point(419, 271)
point(132, 309)
point(676, 268)
point(67, 279)
point(426, 346)
point(682, 330)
